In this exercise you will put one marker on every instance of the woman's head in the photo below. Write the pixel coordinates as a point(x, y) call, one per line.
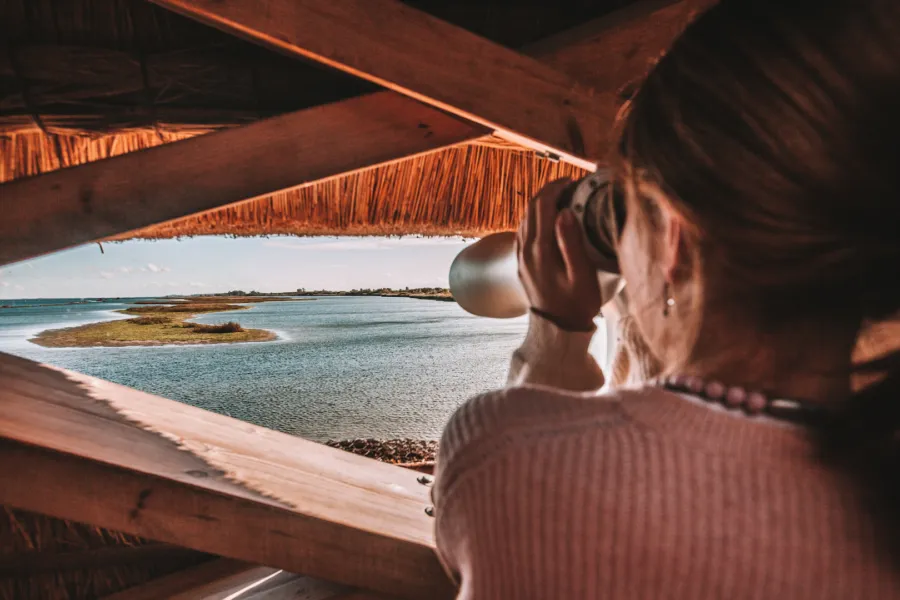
point(762, 159)
point(762, 162)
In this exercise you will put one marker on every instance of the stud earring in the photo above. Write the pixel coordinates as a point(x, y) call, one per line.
point(668, 300)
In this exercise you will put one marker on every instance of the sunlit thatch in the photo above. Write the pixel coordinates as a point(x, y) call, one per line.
point(466, 190)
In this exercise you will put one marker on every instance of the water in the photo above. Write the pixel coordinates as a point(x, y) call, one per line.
point(342, 367)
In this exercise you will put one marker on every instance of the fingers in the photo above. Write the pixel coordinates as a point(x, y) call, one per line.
point(546, 206)
point(570, 236)
point(541, 213)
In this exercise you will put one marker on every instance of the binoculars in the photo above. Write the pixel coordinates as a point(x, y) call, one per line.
point(484, 277)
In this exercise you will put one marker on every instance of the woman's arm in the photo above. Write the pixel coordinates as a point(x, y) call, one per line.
point(564, 293)
point(554, 357)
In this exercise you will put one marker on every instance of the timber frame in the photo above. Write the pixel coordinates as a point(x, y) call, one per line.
point(184, 476)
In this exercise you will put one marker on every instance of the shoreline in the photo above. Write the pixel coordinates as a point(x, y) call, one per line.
point(411, 453)
point(154, 325)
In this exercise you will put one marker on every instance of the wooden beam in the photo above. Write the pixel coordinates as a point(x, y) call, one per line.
point(415, 54)
point(225, 579)
point(213, 579)
point(618, 49)
point(79, 448)
point(72, 206)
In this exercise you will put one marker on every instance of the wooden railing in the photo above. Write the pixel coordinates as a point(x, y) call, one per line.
point(79, 448)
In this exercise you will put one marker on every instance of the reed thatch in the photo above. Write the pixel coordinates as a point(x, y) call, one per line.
point(43, 558)
point(467, 190)
point(83, 80)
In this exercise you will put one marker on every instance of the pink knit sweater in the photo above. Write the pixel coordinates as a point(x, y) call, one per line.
point(543, 493)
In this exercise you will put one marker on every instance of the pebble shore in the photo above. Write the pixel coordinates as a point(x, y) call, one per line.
point(415, 454)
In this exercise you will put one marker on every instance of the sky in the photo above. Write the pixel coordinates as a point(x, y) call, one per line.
point(219, 264)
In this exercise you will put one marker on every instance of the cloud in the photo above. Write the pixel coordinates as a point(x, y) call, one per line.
point(366, 243)
point(156, 268)
point(107, 274)
point(4, 284)
point(126, 269)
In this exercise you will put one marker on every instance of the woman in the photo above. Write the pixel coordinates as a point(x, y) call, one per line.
point(761, 163)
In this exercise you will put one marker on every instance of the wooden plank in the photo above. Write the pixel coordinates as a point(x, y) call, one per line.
point(215, 579)
point(227, 579)
point(72, 206)
point(415, 54)
point(87, 450)
point(617, 50)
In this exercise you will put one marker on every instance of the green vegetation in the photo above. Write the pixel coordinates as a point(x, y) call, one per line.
point(229, 327)
point(157, 325)
point(425, 293)
point(187, 307)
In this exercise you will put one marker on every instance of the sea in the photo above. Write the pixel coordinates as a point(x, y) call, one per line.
point(341, 367)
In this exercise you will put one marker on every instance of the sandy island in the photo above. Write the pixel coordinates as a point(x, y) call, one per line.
point(164, 323)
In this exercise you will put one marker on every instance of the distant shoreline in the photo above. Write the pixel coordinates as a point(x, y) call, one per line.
point(162, 324)
point(165, 322)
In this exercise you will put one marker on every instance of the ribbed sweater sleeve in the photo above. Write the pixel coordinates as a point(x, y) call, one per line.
point(555, 358)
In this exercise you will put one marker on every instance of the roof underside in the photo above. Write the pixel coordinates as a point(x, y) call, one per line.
point(89, 79)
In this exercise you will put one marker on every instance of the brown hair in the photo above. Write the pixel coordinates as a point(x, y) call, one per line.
point(773, 127)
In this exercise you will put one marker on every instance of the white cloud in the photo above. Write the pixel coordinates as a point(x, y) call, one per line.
point(107, 275)
point(366, 243)
point(126, 269)
point(4, 284)
point(153, 268)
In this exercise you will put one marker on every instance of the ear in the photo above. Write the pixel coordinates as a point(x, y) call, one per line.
point(671, 257)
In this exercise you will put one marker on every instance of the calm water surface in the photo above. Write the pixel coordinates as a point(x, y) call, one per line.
point(341, 368)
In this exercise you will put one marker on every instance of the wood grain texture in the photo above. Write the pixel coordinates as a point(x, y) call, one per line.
point(227, 579)
point(615, 52)
point(87, 450)
point(216, 579)
point(415, 54)
point(72, 206)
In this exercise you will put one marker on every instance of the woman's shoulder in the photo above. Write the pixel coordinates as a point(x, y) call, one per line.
point(486, 423)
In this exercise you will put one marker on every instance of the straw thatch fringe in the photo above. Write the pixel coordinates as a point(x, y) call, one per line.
point(469, 190)
point(52, 559)
point(28, 154)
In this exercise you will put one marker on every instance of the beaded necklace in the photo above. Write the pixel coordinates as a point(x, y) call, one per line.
point(738, 398)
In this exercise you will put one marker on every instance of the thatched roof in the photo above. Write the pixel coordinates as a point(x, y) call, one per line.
point(89, 79)
point(43, 557)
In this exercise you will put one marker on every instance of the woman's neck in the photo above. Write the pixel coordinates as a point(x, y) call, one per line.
point(800, 360)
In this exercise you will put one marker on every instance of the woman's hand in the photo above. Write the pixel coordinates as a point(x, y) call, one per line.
point(559, 279)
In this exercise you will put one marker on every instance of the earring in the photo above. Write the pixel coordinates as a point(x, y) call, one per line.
point(668, 300)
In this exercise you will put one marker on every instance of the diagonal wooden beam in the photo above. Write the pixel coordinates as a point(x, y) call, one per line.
point(79, 448)
point(72, 206)
point(616, 50)
point(415, 54)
